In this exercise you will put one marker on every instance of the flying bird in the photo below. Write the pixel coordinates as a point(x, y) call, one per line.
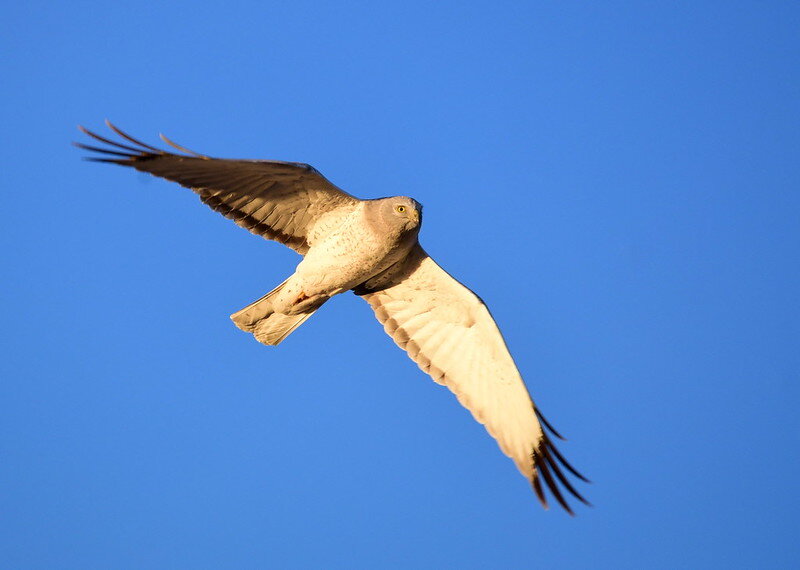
point(369, 247)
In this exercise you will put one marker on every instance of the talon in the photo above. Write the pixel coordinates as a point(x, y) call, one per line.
point(300, 298)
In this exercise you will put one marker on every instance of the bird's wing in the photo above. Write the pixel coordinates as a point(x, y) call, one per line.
point(448, 331)
point(276, 200)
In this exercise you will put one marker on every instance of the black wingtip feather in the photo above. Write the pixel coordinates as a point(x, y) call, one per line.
point(99, 149)
point(129, 155)
point(181, 148)
point(128, 137)
point(560, 476)
point(121, 161)
point(548, 461)
point(537, 488)
point(548, 425)
point(551, 447)
point(551, 483)
point(109, 141)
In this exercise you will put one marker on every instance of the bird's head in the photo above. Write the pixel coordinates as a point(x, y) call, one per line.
point(401, 212)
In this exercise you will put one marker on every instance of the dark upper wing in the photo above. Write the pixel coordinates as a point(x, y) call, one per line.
point(277, 200)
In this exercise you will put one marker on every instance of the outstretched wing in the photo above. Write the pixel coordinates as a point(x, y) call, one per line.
point(448, 331)
point(276, 200)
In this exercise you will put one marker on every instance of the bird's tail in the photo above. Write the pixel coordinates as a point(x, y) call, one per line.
point(266, 325)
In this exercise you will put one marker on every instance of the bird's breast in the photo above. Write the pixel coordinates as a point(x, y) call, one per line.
point(344, 252)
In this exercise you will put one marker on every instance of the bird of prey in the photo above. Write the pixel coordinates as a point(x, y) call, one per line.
point(369, 247)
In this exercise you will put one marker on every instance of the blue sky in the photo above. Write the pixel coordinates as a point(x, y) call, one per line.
point(620, 181)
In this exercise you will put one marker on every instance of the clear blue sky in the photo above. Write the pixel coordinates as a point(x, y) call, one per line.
point(620, 181)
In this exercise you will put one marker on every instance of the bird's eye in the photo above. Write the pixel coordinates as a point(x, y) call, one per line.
point(400, 209)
